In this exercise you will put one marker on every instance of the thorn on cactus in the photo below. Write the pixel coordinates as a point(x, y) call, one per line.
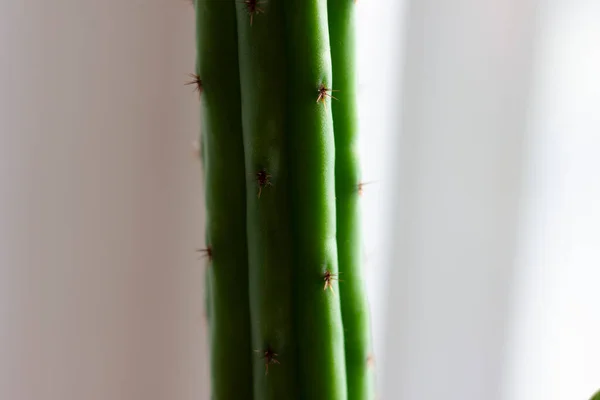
point(361, 185)
point(329, 277)
point(324, 92)
point(196, 147)
point(370, 360)
point(206, 253)
point(196, 81)
point(269, 356)
point(253, 9)
point(263, 179)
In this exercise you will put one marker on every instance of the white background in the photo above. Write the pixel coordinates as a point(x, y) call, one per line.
point(480, 131)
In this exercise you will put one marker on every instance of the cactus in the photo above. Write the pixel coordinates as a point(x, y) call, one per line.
point(281, 169)
point(596, 396)
point(355, 314)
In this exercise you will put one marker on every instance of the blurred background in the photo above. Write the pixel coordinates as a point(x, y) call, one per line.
point(480, 132)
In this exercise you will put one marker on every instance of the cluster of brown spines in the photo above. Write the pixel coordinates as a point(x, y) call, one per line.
point(253, 8)
point(269, 356)
point(196, 82)
point(360, 187)
point(263, 179)
point(206, 253)
point(324, 93)
point(329, 277)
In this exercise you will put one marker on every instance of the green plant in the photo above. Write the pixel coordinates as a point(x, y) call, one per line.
point(282, 192)
point(596, 396)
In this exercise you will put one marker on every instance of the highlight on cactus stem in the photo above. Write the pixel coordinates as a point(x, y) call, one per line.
point(596, 396)
point(283, 184)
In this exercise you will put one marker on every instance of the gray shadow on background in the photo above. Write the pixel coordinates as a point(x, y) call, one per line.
point(465, 100)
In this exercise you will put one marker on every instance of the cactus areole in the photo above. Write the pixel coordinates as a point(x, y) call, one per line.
point(285, 295)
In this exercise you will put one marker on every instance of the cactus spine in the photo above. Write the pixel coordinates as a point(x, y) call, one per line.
point(281, 325)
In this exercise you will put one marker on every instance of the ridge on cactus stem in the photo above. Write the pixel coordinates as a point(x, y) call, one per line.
point(348, 189)
point(263, 81)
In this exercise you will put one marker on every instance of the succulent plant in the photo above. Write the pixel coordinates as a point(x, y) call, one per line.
point(286, 299)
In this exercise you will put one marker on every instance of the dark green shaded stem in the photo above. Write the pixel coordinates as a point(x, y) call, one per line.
point(231, 351)
point(263, 81)
point(322, 371)
point(355, 311)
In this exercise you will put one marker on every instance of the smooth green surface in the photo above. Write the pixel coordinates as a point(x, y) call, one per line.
point(596, 396)
point(263, 81)
point(231, 351)
point(355, 311)
point(207, 297)
point(322, 372)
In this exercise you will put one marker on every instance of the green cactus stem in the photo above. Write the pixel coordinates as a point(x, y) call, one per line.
point(263, 81)
point(322, 371)
point(355, 310)
point(281, 324)
point(225, 179)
